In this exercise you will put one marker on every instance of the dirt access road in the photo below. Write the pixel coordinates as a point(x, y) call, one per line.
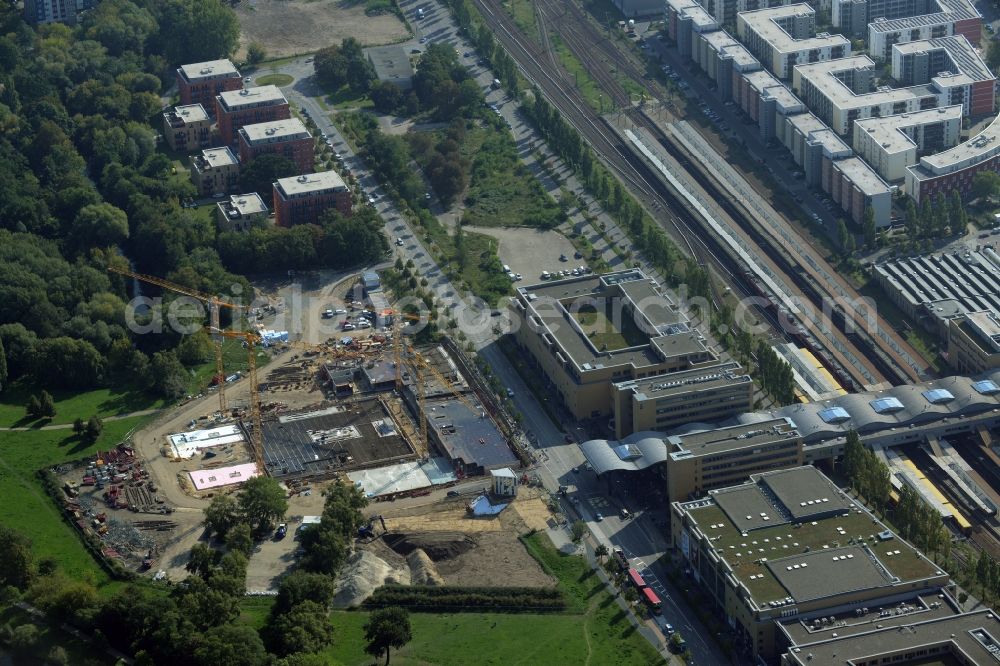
point(291, 27)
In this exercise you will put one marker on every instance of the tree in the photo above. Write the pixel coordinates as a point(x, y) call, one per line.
point(300, 586)
point(230, 644)
point(579, 528)
point(262, 503)
point(259, 174)
point(79, 426)
point(870, 230)
point(62, 598)
point(221, 515)
point(99, 225)
point(94, 429)
point(330, 66)
point(387, 628)
point(843, 235)
point(17, 562)
point(601, 551)
point(33, 407)
point(193, 30)
point(255, 53)
point(169, 376)
point(305, 628)
point(46, 405)
point(195, 349)
point(3, 367)
point(240, 539)
point(387, 97)
point(986, 183)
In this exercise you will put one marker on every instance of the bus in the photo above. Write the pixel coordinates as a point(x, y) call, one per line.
point(652, 600)
point(636, 579)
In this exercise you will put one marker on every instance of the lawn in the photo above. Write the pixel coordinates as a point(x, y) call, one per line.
point(276, 79)
point(71, 405)
point(25, 506)
point(502, 192)
point(595, 631)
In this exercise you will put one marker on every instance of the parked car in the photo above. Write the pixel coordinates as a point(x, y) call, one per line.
point(281, 531)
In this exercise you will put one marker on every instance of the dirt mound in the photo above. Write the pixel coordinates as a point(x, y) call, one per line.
point(363, 572)
point(422, 569)
point(437, 545)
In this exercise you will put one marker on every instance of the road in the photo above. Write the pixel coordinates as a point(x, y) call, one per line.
point(639, 537)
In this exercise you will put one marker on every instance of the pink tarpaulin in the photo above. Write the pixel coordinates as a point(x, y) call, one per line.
point(222, 476)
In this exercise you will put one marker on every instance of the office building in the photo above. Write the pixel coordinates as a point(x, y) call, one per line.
point(248, 106)
point(782, 37)
point(664, 402)
point(893, 143)
point(215, 171)
point(187, 128)
point(200, 82)
point(288, 138)
point(974, 342)
point(303, 199)
point(790, 544)
point(587, 333)
point(241, 212)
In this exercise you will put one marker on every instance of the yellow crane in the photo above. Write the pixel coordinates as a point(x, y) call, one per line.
point(213, 303)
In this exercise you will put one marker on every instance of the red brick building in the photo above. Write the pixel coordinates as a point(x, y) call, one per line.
point(200, 82)
point(288, 138)
point(248, 106)
point(302, 199)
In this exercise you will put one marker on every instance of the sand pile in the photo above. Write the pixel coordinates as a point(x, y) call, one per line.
point(422, 569)
point(363, 572)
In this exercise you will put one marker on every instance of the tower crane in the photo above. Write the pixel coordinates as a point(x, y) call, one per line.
point(213, 303)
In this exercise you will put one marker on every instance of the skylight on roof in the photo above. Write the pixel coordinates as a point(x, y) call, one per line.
point(886, 405)
point(986, 387)
point(834, 415)
point(628, 452)
point(938, 396)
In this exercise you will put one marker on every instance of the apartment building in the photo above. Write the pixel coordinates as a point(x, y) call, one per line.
point(187, 128)
point(663, 402)
point(974, 342)
point(782, 37)
point(241, 212)
point(954, 69)
point(288, 138)
point(248, 106)
point(684, 19)
point(893, 143)
point(200, 82)
point(854, 16)
point(768, 102)
point(789, 544)
point(215, 171)
point(956, 168)
point(53, 11)
point(723, 59)
point(587, 333)
point(303, 199)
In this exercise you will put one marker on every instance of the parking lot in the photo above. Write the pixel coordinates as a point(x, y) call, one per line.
point(529, 251)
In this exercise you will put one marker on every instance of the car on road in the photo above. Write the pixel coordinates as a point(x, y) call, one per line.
point(625, 514)
point(598, 517)
point(364, 323)
point(399, 241)
point(423, 40)
point(452, 493)
point(281, 531)
point(510, 393)
point(348, 326)
point(563, 257)
point(246, 79)
point(327, 314)
point(668, 628)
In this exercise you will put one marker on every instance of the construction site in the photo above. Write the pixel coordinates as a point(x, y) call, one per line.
point(413, 426)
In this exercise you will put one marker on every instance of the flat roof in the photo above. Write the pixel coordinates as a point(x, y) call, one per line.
point(723, 43)
point(817, 132)
point(823, 75)
point(967, 66)
point(730, 438)
point(980, 148)
point(890, 131)
point(946, 11)
point(210, 69)
point(334, 438)
point(247, 204)
point(765, 22)
point(986, 326)
point(307, 183)
point(288, 129)
point(390, 62)
point(804, 492)
point(258, 96)
point(759, 552)
point(769, 87)
point(862, 175)
point(469, 435)
point(191, 113)
point(694, 379)
point(218, 157)
point(970, 637)
point(633, 297)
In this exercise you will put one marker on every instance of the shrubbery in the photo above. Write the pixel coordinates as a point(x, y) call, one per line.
point(446, 598)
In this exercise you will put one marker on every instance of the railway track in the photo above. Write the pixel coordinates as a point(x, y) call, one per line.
point(595, 51)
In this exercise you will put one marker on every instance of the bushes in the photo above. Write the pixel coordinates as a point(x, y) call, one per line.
point(478, 599)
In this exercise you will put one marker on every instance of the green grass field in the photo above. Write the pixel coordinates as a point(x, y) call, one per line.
point(234, 359)
point(24, 505)
point(274, 80)
point(603, 332)
point(593, 631)
point(70, 405)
